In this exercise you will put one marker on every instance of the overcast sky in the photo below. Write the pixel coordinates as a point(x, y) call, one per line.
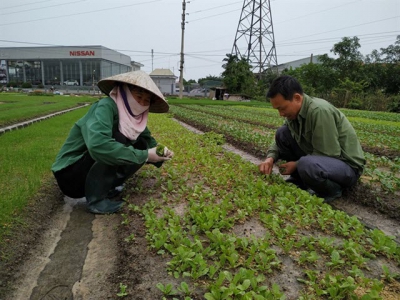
point(136, 27)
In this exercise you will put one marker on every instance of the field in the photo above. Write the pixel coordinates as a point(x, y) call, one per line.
point(208, 225)
point(223, 231)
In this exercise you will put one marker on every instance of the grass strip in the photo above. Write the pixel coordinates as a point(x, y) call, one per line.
point(26, 156)
point(16, 108)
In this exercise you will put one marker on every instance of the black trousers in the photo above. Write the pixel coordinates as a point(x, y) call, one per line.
point(72, 179)
point(313, 170)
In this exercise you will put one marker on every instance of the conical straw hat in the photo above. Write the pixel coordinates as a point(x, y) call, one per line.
point(140, 79)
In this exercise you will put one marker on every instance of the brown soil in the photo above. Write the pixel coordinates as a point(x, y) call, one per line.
point(15, 248)
point(113, 259)
point(363, 194)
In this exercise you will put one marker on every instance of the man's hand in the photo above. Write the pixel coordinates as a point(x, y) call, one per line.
point(154, 158)
point(288, 168)
point(266, 166)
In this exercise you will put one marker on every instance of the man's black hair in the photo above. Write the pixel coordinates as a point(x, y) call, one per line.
point(285, 85)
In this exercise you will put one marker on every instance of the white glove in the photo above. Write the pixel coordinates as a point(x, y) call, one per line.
point(168, 153)
point(154, 158)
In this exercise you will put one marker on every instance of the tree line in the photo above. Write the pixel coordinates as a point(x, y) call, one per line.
point(349, 81)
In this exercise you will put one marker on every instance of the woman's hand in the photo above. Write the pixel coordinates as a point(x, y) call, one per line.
point(168, 153)
point(154, 158)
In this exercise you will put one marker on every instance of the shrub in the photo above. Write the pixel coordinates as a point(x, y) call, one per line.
point(26, 85)
point(377, 101)
point(394, 104)
point(39, 93)
point(12, 84)
point(355, 103)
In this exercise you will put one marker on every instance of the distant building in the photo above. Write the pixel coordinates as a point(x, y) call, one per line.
point(165, 80)
point(299, 62)
point(62, 65)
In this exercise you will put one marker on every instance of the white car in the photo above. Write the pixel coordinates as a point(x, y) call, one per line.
point(71, 82)
point(20, 64)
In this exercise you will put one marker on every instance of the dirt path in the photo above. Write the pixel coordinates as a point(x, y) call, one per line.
point(77, 255)
point(72, 259)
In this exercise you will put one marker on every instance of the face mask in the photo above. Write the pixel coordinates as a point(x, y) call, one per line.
point(133, 107)
point(136, 108)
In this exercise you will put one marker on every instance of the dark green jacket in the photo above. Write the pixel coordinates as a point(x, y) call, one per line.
point(322, 129)
point(93, 133)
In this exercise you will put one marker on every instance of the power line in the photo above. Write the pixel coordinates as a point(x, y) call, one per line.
point(367, 23)
point(212, 8)
point(39, 8)
point(333, 39)
point(217, 15)
point(9, 7)
point(82, 13)
point(318, 12)
point(377, 34)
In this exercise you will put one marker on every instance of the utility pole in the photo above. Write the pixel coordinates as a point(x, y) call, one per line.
point(182, 47)
point(152, 58)
point(94, 71)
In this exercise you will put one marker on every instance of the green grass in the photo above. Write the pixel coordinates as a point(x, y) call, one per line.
point(201, 243)
point(205, 101)
point(26, 156)
point(16, 108)
point(204, 199)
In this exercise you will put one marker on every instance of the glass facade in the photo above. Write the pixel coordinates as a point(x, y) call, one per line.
point(52, 72)
point(62, 72)
point(25, 71)
point(90, 71)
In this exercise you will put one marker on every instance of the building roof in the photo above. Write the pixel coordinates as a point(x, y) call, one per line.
point(64, 52)
point(299, 62)
point(162, 72)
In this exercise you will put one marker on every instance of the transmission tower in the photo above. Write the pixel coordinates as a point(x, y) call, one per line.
point(254, 39)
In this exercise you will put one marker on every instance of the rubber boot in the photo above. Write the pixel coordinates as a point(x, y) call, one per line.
point(121, 175)
point(328, 190)
point(99, 181)
point(296, 181)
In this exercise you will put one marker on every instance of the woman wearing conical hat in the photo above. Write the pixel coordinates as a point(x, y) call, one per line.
point(111, 142)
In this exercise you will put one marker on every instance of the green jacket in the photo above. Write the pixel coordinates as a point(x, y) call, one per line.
point(93, 133)
point(322, 129)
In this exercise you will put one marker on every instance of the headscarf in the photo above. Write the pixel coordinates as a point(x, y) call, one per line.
point(132, 115)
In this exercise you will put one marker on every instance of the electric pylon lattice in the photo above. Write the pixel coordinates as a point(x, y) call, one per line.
point(254, 39)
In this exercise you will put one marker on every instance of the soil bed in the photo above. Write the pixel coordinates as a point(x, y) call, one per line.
point(113, 258)
point(362, 194)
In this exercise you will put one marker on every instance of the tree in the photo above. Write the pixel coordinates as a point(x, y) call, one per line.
point(316, 79)
point(210, 81)
point(392, 53)
point(238, 77)
point(374, 57)
point(350, 58)
point(391, 58)
point(189, 82)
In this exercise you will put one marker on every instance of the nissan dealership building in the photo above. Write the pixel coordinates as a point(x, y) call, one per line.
point(62, 65)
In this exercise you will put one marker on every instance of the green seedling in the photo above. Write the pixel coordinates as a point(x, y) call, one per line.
point(167, 290)
point(125, 220)
point(160, 150)
point(184, 288)
point(279, 165)
point(130, 238)
point(122, 290)
point(388, 275)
